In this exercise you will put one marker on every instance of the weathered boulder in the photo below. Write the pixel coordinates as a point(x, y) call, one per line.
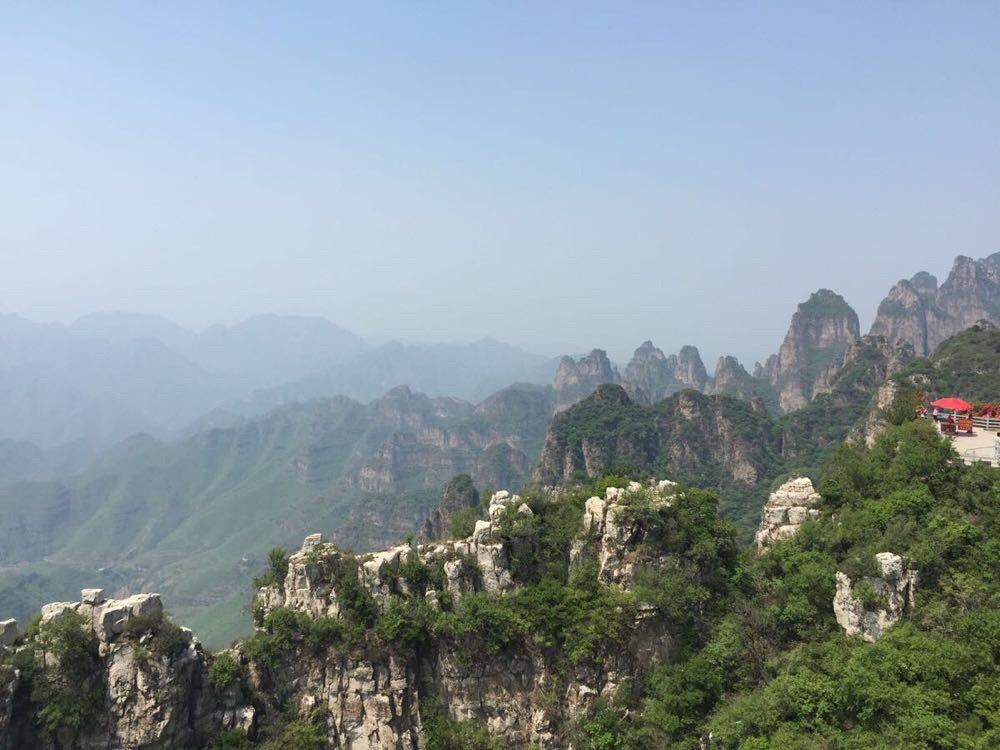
point(868, 606)
point(110, 617)
point(785, 510)
point(92, 596)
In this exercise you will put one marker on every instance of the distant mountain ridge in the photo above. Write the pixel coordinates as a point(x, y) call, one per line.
point(109, 375)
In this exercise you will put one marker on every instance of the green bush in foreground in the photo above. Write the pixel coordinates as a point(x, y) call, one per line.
point(224, 670)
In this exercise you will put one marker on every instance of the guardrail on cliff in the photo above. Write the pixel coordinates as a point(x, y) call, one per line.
point(987, 423)
point(983, 453)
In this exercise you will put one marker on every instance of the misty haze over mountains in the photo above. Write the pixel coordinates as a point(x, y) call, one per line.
point(109, 375)
point(124, 436)
point(106, 376)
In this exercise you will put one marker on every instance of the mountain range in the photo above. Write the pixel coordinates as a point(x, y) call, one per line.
point(108, 376)
point(212, 480)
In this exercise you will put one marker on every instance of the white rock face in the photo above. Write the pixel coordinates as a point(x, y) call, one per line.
point(9, 681)
point(785, 510)
point(894, 589)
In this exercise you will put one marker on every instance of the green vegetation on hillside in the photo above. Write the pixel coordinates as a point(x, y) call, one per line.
point(757, 659)
point(688, 437)
point(777, 672)
point(966, 365)
point(191, 519)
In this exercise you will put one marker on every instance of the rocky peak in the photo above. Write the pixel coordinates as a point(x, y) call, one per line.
point(688, 368)
point(651, 373)
point(907, 312)
point(822, 329)
point(577, 379)
point(866, 606)
point(732, 379)
point(924, 314)
point(925, 284)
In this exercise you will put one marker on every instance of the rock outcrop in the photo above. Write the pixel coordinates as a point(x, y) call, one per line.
point(155, 691)
point(822, 329)
point(613, 534)
point(868, 606)
point(460, 493)
point(923, 314)
point(785, 511)
point(318, 571)
point(576, 379)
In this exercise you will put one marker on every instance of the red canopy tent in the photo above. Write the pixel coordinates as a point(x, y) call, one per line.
point(954, 404)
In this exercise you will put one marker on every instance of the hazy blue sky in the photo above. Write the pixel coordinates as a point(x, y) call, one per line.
point(558, 175)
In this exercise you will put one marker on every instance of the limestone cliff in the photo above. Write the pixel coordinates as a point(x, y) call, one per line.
point(849, 399)
point(822, 329)
point(384, 699)
point(921, 313)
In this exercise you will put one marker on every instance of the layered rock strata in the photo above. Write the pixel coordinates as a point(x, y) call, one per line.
point(785, 511)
